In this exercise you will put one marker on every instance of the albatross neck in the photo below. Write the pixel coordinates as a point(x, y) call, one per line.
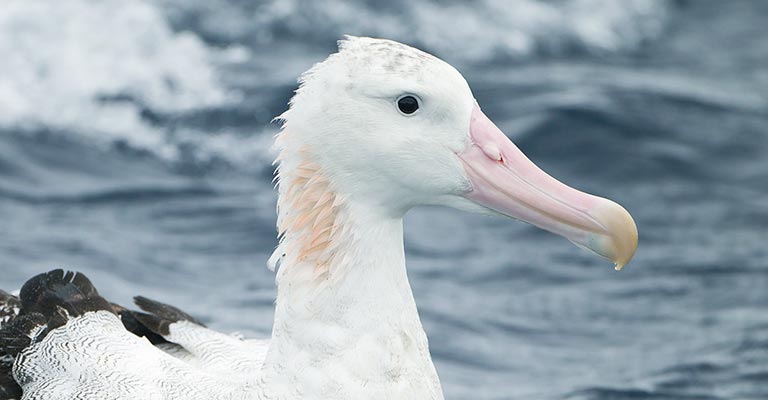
point(351, 321)
point(366, 273)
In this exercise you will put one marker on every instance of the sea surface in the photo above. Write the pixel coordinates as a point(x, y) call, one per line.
point(135, 147)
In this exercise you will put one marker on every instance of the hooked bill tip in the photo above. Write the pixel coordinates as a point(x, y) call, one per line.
point(619, 242)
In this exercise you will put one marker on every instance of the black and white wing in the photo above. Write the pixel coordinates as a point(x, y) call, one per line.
point(185, 337)
point(67, 342)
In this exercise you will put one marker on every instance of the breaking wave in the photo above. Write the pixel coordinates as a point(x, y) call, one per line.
point(98, 68)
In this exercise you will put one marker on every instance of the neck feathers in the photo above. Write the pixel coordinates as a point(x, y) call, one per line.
point(345, 317)
point(310, 212)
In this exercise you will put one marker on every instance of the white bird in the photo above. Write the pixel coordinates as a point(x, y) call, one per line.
point(372, 131)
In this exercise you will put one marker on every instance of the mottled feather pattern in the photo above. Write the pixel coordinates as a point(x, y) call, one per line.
point(67, 342)
point(10, 306)
point(94, 357)
point(189, 339)
point(215, 351)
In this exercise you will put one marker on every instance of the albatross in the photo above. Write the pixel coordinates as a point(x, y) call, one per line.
point(374, 130)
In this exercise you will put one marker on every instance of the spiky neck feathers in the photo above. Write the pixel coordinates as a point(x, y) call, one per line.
point(310, 214)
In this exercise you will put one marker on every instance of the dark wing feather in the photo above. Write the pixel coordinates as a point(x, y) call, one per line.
point(47, 301)
point(159, 316)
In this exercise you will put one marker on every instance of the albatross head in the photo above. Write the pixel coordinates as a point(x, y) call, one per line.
point(391, 127)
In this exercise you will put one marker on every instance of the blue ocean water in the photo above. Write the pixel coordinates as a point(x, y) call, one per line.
point(134, 147)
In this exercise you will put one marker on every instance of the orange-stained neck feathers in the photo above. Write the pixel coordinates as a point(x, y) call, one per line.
point(310, 212)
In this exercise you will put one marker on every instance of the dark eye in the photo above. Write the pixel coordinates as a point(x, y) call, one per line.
point(408, 104)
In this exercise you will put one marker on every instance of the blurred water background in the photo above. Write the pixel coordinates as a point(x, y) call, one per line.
point(134, 146)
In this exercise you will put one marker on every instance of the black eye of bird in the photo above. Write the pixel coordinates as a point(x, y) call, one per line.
point(408, 104)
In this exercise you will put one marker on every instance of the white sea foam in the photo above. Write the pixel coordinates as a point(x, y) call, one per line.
point(61, 59)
